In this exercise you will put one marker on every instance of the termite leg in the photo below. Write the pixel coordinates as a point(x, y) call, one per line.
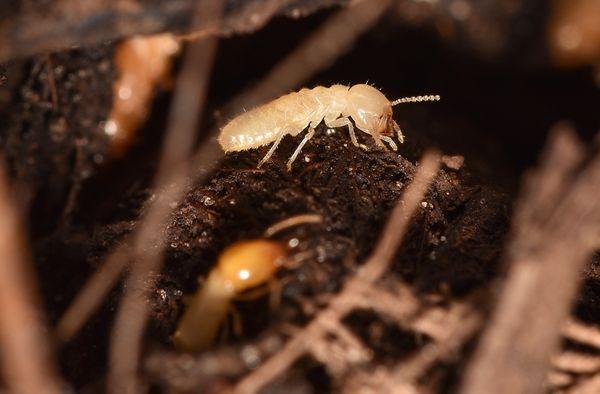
point(275, 289)
point(390, 142)
point(344, 121)
point(398, 132)
point(308, 136)
point(273, 147)
point(252, 294)
point(236, 322)
point(298, 260)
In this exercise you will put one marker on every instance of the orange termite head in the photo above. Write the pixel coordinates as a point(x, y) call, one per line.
point(248, 264)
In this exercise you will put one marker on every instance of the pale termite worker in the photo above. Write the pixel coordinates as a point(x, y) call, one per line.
point(370, 110)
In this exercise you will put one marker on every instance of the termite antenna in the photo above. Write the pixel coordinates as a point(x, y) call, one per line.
point(416, 99)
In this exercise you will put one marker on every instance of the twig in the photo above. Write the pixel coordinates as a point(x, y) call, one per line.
point(553, 237)
point(589, 386)
point(574, 362)
point(557, 379)
point(434, 321)
point(340, 349)
point(460, 323)
point(387, 302)
point(377, 381)
point(52, 81)
point(126, 340)
point(371, 271)
point(579, 332)
point(92, 293)
point(24, 348)
point(258, 14)
point(68, 23)
point(182, 373)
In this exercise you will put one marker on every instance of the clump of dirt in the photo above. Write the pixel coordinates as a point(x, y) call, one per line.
point(353, 190)
point(453, 245)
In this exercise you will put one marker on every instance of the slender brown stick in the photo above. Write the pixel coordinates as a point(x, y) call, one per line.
point(579, 332)
point(257, 14)
point(67, 23)
point(374, 267)
point(576, 362)
point(24, 348)
point(460, 324)
point(452, 328)
point(589, 386)
point(554, 234)
point(92, 293)
point(127, 333)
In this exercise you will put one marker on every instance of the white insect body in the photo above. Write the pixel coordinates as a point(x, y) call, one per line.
point(370, 110)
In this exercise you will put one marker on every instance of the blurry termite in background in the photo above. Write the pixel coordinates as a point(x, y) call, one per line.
point(243, 268)
point(142, 63)
point(370, 110)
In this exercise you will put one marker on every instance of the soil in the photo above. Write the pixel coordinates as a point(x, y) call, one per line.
point(81, 201)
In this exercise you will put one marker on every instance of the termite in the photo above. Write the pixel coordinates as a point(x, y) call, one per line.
point(241, 271)
point(142, 63)
point(242, 266)
point(370, 110)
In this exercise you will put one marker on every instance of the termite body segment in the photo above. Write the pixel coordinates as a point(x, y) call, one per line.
point(370, 110)
point(240, 267)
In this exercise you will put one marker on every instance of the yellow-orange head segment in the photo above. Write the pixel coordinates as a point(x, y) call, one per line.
point(248, 264)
